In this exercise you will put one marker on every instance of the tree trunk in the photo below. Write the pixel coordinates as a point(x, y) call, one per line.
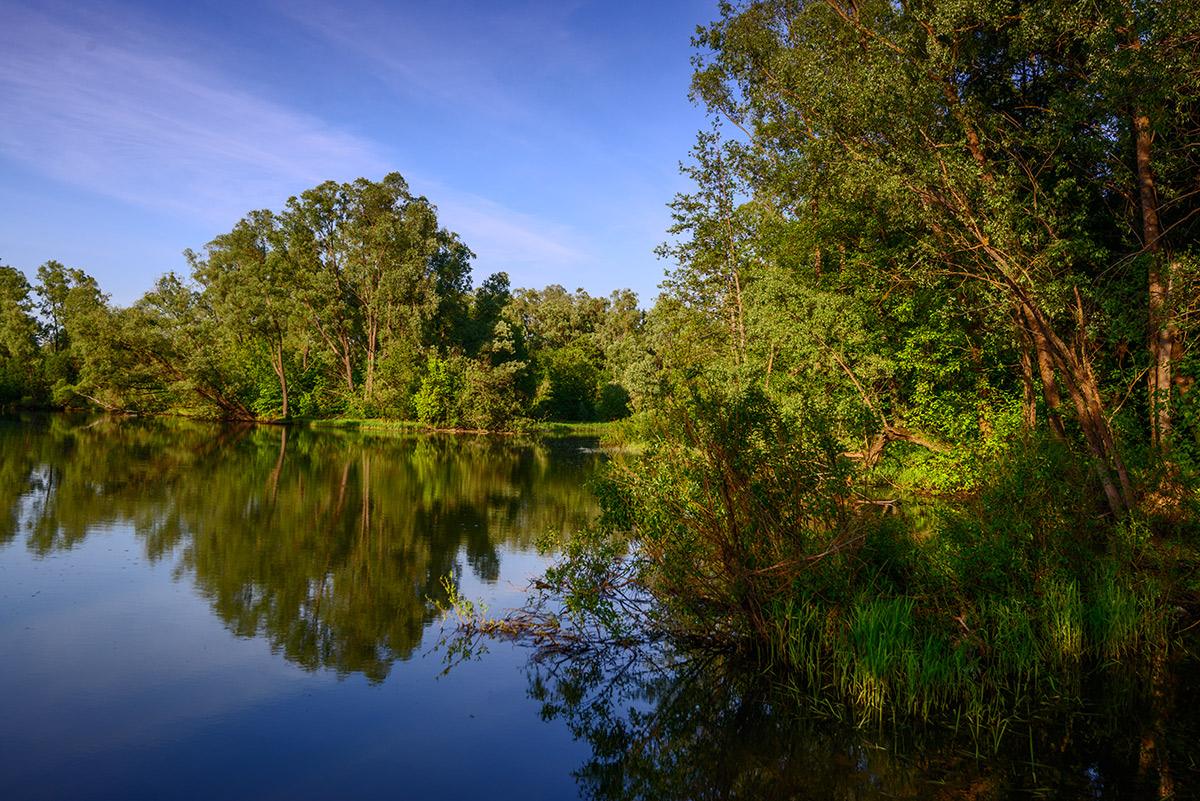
point(277, 366)
point(347, 360)
point(372, 340)
point(1080, 381)
point(1050, 391)
point(1162, 329)
point(1028, 387)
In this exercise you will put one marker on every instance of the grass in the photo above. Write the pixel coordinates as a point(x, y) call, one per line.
point(609, 433)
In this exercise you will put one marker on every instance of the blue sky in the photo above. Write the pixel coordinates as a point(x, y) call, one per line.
point(548, 134)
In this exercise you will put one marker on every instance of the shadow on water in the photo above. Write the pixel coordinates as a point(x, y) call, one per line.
point(662, 728)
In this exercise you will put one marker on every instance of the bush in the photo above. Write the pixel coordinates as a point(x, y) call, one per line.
point(436, 401)
point(736, 512)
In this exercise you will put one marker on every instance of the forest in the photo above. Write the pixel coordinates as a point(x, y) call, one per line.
point(933, 250)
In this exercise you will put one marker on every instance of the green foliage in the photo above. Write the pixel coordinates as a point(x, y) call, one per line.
point(572, 382)
point(18, 343)
point(729, 517)
point(749, 530)
point(436, 400)
point(613, 403)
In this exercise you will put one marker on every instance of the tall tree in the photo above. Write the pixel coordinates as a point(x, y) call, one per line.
point(371, 263)
point(54, 281)
point(713, 251)
point(962, 124)
point(252, 291)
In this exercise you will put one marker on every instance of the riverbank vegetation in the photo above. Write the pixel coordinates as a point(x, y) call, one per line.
point(352, 302)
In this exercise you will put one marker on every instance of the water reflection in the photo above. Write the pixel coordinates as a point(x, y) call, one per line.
point(329, 544)
point(711, 728)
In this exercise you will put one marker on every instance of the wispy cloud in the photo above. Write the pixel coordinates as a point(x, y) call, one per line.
point(485, 59)
point(140, 107)
point(111, 111)
point(502, 238)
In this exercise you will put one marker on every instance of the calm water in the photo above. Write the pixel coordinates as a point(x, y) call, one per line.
point(193, 611)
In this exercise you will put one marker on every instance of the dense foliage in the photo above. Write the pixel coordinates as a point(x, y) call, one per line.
point(944, 246)
point(935, 215)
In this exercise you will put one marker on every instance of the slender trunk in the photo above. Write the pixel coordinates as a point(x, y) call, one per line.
point(277, 366)
point(1029, 389)
point(347, 360)
point(1050, 390)
point(369, 381)
point(1162, 329)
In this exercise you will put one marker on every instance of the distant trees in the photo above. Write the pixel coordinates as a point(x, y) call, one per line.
point(18, 336)
point(352, 300)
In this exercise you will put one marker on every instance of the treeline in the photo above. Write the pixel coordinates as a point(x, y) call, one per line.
point(351, 301)
point(941, 227)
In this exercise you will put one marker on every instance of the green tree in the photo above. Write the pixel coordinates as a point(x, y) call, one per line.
point(372, 269)
point(959, 127)
point(437, 400)
point(573, 378)
point(714, 251)
point(54, 281)
point(18, 337)
point(252, 292)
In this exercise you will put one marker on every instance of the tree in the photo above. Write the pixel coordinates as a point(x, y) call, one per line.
point(713, 257)
point(251, 291)
point(372, 268)
point(960, 127)
point(54, 282)
point(18, 336)
point(1142, 70)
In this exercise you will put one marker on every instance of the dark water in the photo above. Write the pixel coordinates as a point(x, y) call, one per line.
point(196, 611)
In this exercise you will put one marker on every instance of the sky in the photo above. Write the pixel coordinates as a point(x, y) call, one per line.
point(547, 134)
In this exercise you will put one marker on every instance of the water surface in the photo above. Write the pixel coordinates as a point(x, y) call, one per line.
point(189, 610)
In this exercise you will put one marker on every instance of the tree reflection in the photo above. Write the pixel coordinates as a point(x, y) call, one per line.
point(711, 728)
point(329, 544)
